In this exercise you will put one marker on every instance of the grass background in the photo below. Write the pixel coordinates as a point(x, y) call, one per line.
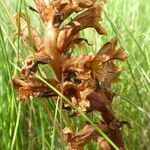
point(32, 125)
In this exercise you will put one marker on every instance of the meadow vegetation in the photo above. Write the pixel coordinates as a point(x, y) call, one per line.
point(36, 124)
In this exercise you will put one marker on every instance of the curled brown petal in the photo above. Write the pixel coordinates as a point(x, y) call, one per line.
point(67, 7)
point(33, 87)
point(88, 133)
point(88, 18)
point(110, 52)
point(31, 63)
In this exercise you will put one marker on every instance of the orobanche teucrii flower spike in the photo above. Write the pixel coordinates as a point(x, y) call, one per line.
point(84, 79)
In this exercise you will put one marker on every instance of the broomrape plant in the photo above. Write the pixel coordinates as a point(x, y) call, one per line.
point(85, 79)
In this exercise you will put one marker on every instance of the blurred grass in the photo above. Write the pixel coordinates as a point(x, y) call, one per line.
point(32, 125)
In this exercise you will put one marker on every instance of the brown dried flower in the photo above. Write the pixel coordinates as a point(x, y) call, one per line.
point(83, 79)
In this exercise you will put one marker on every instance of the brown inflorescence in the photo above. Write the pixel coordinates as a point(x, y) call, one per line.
point(84, 79)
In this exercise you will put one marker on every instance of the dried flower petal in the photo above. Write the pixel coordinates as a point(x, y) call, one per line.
point(33, 87)
point(88, 133)
point(88, 18)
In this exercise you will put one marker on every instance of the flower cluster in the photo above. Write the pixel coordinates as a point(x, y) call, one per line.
point(84, 79)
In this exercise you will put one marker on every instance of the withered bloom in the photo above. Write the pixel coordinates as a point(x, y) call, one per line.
point(83, 79)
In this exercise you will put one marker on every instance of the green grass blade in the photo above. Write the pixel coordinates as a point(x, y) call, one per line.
point(54, 126)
